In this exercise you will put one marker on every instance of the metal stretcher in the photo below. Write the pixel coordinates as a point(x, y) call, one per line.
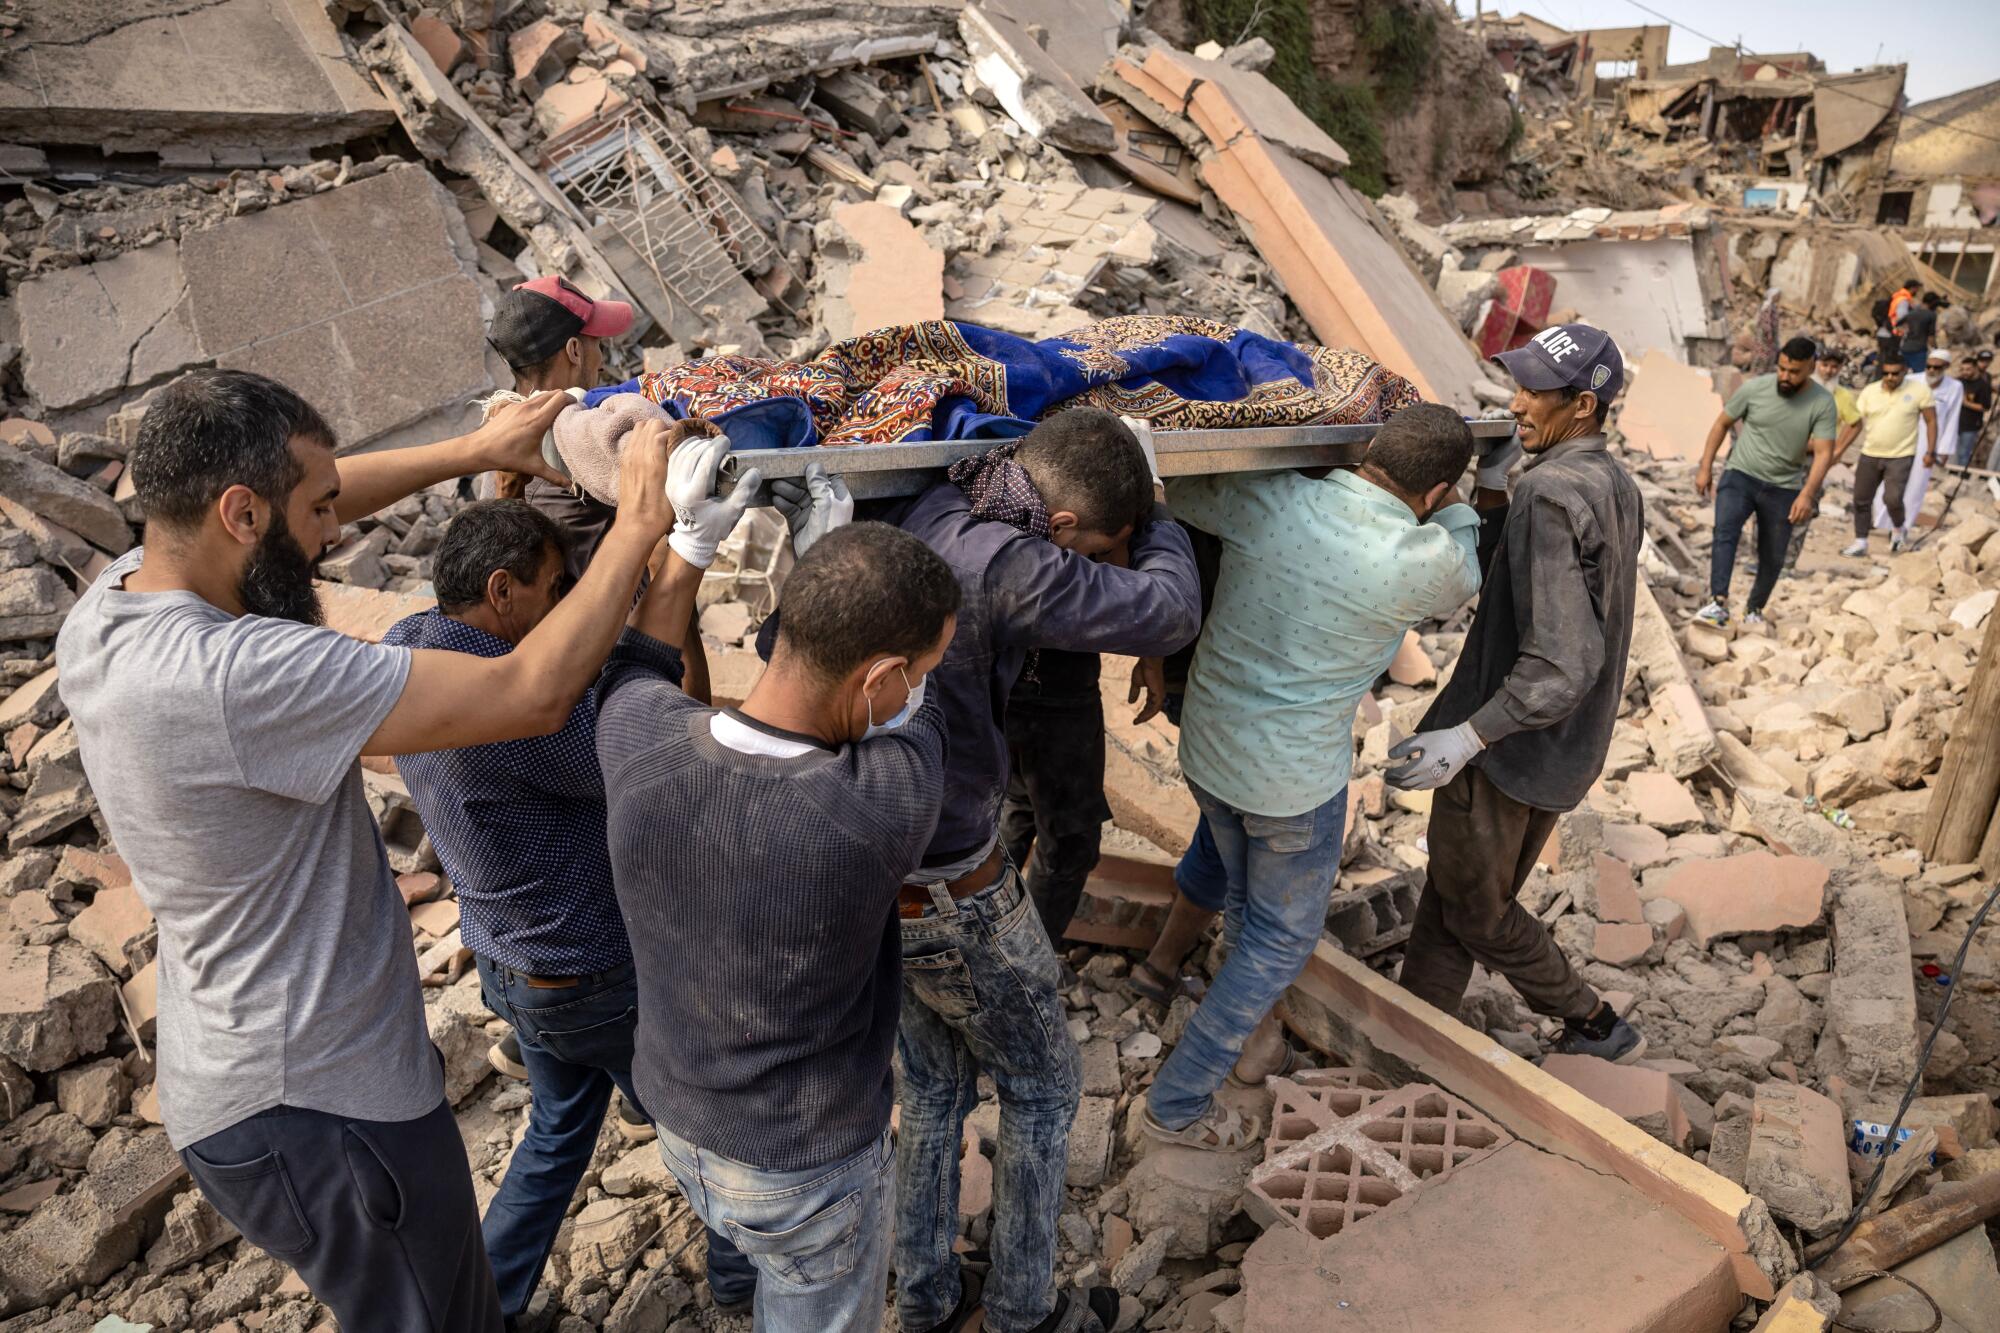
point(880, 470)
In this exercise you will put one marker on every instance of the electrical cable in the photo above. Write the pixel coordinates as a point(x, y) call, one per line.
point(1916, 1082)
point(1818, 79)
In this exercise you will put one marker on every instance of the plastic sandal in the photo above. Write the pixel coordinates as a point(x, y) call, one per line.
point(1293, 1061)
point(1148, 983)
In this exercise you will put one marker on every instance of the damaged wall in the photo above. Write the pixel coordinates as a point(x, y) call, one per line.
point(363, 298)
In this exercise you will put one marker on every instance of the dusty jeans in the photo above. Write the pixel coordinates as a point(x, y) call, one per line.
point(980, 992)
point(818, 1237)
point(1483, 843)
point(1280, 871)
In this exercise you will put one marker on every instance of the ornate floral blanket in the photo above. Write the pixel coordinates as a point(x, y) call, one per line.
point(942, 380)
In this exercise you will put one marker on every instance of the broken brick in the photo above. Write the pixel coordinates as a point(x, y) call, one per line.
point(1749, 892)
point(1645, 1097)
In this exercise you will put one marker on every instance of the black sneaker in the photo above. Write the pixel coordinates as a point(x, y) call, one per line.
point(505, 1056)
point(1623, 1045)
point(635, 1127)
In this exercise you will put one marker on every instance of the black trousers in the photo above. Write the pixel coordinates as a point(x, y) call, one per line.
point(1055, 798)
point(1483, 845)
point(378, 1217)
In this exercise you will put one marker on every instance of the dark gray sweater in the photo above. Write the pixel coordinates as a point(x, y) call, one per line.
point(760, 897)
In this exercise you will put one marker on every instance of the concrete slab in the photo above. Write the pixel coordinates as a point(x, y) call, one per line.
point(1526, 1215)
point(94, 330)
point(143, 75)
point(324, 295)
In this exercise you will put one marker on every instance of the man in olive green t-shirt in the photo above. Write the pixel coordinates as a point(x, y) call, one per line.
point(1786, 417)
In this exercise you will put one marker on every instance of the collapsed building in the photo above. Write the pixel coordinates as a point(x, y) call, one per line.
point(333, 194)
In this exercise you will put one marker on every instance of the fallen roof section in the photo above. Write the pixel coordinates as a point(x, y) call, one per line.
point(148, 75)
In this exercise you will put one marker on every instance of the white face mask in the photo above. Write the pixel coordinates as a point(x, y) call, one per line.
point(916, 701)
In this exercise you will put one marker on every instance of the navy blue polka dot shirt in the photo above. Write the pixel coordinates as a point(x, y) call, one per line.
point(519, 828)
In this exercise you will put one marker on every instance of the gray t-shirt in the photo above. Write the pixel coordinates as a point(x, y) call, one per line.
point(223, 753)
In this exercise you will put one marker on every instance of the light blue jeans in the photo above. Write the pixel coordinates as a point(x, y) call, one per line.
point(819, 1237)
point(1281, 871)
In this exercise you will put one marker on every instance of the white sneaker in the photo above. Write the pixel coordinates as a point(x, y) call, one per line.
point(1857, 547)
point(1754, 620)
point(1898, 542)
point(1715, 613)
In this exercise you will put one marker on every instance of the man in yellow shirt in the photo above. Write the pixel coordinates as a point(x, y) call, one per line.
point(1890, 409)
point(1826, 374)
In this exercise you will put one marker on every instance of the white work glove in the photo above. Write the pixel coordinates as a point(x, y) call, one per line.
point(1144, 431)
point(1434, 757)
point(813, 506)
point(701, 518)
point(1495, 463)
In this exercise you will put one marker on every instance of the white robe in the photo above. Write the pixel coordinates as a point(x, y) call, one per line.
point(1949, 394)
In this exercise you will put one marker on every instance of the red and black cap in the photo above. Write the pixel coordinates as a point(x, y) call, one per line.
point(533, 321)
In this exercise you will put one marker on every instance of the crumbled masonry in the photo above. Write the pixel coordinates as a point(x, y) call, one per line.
point(1747, 880)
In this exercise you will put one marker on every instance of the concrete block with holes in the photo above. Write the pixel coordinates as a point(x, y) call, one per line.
point(1342, 1148)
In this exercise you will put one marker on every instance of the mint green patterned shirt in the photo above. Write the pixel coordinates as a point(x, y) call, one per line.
point(1319, 582)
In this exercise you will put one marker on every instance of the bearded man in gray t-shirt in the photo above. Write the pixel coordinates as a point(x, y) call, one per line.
point(221, 727)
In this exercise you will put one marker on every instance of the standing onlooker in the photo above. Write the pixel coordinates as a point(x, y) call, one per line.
point(1764, 353)
point(1521, 730)
point(1978, 384)
point(1891, 409)
point(1787, 420)
point(1920, 317)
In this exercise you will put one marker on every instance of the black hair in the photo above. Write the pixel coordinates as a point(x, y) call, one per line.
point(1933, 300)
point(213, 429)
point(1913, 286)
point(1826, 352)
point(1800, 348)
point(1422, 445)
point(493, 534)
point(1569, 393)
point(1085, 460)
point(864, 591)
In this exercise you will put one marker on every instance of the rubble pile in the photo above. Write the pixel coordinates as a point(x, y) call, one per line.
point(766, 176)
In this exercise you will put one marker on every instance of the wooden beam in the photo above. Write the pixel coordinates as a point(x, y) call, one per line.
point(1961, 813)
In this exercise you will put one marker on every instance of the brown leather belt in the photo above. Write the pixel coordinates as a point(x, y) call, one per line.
point(914, 898)
point(549, 983)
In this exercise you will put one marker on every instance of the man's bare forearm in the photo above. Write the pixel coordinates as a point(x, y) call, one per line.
point(666, 612)
point(1822, 463)
point(372, 482)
